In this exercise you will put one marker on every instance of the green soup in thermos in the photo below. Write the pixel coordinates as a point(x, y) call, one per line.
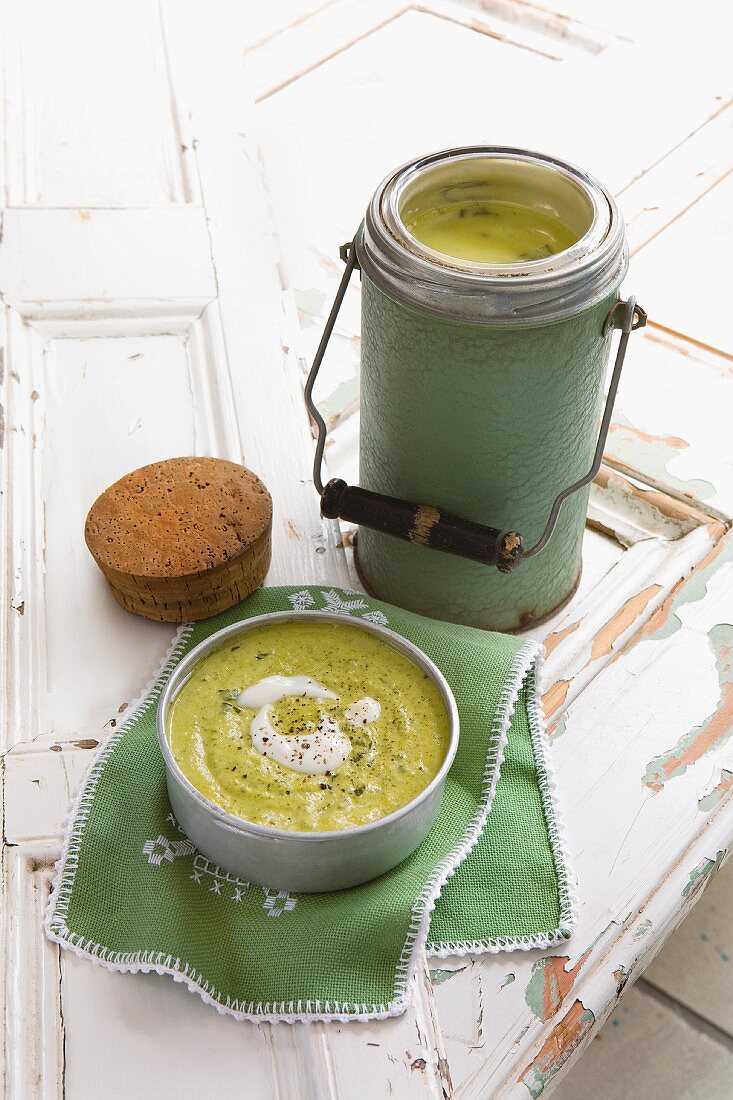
point(490, 284)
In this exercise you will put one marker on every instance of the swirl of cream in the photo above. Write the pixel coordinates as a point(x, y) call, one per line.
point(315, 753)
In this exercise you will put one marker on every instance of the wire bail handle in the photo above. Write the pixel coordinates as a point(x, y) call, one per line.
point(426, 525)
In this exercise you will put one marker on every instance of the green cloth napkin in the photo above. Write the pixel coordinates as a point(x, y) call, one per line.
point(133, 893)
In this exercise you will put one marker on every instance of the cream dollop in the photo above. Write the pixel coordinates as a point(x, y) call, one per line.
point(271, 689)
point(315, 753)
point(363, 712)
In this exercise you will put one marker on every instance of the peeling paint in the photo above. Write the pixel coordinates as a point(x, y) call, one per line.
point(552, 641)
point(562, 1043)
point(521, 1035)
point(640, 450)
point(701, 873)
point(711, 799)
point(309, 304)
point(713, 732)
point(621, 976)
point(555, 696)
point(437, 977)
point(508, 979)
point(665, 621)
point(642, 929)
point(652, 512)
point(550, 982)
point(342, 398)
point(626, 615)
point(558, 729)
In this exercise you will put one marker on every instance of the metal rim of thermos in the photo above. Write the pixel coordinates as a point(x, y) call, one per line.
point(534, 293)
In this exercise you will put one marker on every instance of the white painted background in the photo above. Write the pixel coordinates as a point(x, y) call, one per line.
point(177, 181)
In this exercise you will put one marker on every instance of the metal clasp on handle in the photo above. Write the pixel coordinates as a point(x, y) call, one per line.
point(424, 524)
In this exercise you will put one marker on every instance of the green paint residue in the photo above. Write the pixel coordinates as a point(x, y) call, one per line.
point(549, 1062)
point(695, 589)
point(344, 395)
point(642, 929)
point(310, 306)
point(508, 979)
point(709, 801)
point(652, 453)
point(438, 977)
point(710, 734)
point(537, 992)
point(700, 873)
point(560, 728)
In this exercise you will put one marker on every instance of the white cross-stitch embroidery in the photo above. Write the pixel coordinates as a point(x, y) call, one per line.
point(161, 848)
point(334, 602)
point(217, 878)
point(173, 821)
point(206, 873)
point(302, 600)
point(277, 902)
point(377, 617)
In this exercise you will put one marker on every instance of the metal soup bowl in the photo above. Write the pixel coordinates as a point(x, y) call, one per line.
point(307, 862)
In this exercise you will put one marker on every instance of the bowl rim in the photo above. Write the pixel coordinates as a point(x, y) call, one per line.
point(241, 825)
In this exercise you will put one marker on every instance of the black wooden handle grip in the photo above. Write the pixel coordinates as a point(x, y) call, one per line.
point(423, 525)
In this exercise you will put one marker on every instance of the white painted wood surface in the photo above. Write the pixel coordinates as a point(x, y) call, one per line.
point(177, 184)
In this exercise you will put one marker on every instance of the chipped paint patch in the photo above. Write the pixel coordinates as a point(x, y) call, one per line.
point(665, 621)
point(632, 513)
point(508, 979)
point(639, 450)
point(713, 732)
point(339, 401)
point(552, 641)
point(558, 729)
point(550, 982)
point(309, 304)
point(700, 874)
point(711, 798)
point(625, 617)
point(555, 696)
point(642, 929)
point(562, 1043)
point(518, 1038)
point(621, 977)
point(437, 977)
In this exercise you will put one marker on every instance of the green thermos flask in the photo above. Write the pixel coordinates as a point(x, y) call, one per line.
point(490, 282)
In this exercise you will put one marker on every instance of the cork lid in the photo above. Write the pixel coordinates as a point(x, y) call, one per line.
point(182, 539)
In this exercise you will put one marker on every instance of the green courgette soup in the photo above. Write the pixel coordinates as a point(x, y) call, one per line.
point(309, 726)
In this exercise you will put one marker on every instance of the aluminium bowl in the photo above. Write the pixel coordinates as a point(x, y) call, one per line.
point(306, 862)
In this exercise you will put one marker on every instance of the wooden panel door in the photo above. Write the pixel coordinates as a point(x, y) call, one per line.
point(176, 188)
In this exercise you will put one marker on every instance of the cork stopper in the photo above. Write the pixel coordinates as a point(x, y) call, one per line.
point(182, 539)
